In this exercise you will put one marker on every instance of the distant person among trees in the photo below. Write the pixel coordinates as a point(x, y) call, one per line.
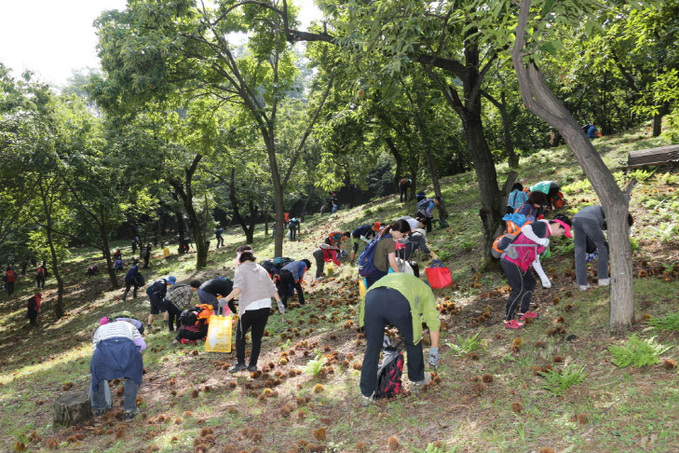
point(293, 226)
point(92, 270)
point(117, 355)
point(590, 243)
point(517, 260)
point(532, 208)
point(133, 279)
point(333, 203)
point(146, 254)
point(425, 210)
point(517, 198)
point(591, 131)
point(385, 250)
point(325, 254)
point(292, 275)
point(364, 233)
point(551, 189)
point(406, 302)
point(9, 278)
point(403, 185)
point(218, 235)
point(254, 290)
point(336, 238)
point(117, 255)
point(213, 288)
point(40, 276)
point(33, 308)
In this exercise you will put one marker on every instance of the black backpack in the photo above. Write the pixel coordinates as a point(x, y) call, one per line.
point(189, 317)
point(389, 372)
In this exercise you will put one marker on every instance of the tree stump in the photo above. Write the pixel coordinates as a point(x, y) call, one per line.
point(72, 408)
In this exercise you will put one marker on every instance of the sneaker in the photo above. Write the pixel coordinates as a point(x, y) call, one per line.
point(583, 287)
point(237, 367)
point(252, 368)
point(528, 314)
point(319, 278)
point(366, 400)
point(130, 415)
point(417, 386)
point(99, 412)
point(604, 281)
point(591, 256)
point(513, 324)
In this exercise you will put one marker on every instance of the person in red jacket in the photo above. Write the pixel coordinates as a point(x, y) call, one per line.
point(9, 278)
point(33, 307)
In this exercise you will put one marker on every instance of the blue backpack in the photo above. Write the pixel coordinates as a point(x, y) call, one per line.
point(366, 260)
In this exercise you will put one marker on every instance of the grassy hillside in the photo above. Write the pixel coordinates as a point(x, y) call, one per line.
point(551, 386)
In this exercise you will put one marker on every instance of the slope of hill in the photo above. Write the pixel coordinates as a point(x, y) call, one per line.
point(551, 386)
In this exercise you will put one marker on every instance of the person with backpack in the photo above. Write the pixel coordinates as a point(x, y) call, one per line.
point(403, 186)
point(522, 254)
point(380, 255)
point(254, 290)
point(425, 210)
point(33, 308)
point(156, 292)
point(117, 355)
point(195, 322)
point(516, 198)
point(40, 277)
point(533, 206)
point(293, 226)
point(405, 302)
point(363, 234)
point(9, 278)
point(133, 279)
point(292, 275)
point(209, 291)
point(146, 255)
point(178, 299)
point(218, 235)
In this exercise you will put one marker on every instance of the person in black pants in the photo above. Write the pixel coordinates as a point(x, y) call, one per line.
point(292, 274)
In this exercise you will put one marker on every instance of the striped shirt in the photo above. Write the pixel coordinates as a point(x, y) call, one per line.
point(117, 329)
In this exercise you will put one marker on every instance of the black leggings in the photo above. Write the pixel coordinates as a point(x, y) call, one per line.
point(284, 283)
point(255, 319)
point(522, 283)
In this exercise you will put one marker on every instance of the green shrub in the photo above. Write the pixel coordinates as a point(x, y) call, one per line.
point(637, 352)
point(466, 345)
point(314, 366)
point(667, 322)
point(560, 381)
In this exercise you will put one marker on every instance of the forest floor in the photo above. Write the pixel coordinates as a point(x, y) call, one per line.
point(487, 396)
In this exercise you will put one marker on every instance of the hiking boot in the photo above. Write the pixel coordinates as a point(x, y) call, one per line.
point(513, 324)
point(252, 368)
point(129, 415)
point(604, 281)
point(237, 367)
point(366, 400)
point(528, 314)
point(417, 386)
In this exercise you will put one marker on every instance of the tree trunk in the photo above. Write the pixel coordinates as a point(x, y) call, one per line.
point(181, 230)
point(107, 256)
point(71, 409)
point(541, 101)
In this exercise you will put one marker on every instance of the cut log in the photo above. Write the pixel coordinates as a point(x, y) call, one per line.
point(653, 156)
point(73, 408)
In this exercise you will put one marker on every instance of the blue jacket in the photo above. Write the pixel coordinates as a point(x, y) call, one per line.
point(297, 269)
point(116, 358)
point(131, 274)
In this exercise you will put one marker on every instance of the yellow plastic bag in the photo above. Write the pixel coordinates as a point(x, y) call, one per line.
point(361, 288)
point(329, 269)
point(219, 334)
point(166, 252)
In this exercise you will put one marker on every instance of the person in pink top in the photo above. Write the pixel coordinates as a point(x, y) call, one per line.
point(518, 259)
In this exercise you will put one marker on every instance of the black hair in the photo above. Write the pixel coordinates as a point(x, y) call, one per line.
point(195, 284)
point(564, 219)
point(400, 225)
point(243, 248)
point(307, 262)
point(347, 234)
point(517, 186)
point(247, 256)
point(537, 197)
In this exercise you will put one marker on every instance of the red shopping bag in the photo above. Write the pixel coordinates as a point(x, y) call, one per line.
point(438, 276)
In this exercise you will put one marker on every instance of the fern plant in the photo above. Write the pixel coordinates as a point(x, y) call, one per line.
point(560, 381)
point(667, 322)
point(637, 352)
point(315, 366)
point(467, 345)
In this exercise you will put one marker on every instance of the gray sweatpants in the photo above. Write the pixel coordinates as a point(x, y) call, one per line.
point(583, 229)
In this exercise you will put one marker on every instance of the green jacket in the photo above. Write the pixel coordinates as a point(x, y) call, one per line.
point(419, 295)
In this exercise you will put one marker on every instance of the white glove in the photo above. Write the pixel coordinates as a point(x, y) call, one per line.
point(546, 283)
point(544, 242)
point(364, 239)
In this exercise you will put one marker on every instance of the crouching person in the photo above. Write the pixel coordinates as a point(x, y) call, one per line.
point(117, 355)
point(404, 301)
